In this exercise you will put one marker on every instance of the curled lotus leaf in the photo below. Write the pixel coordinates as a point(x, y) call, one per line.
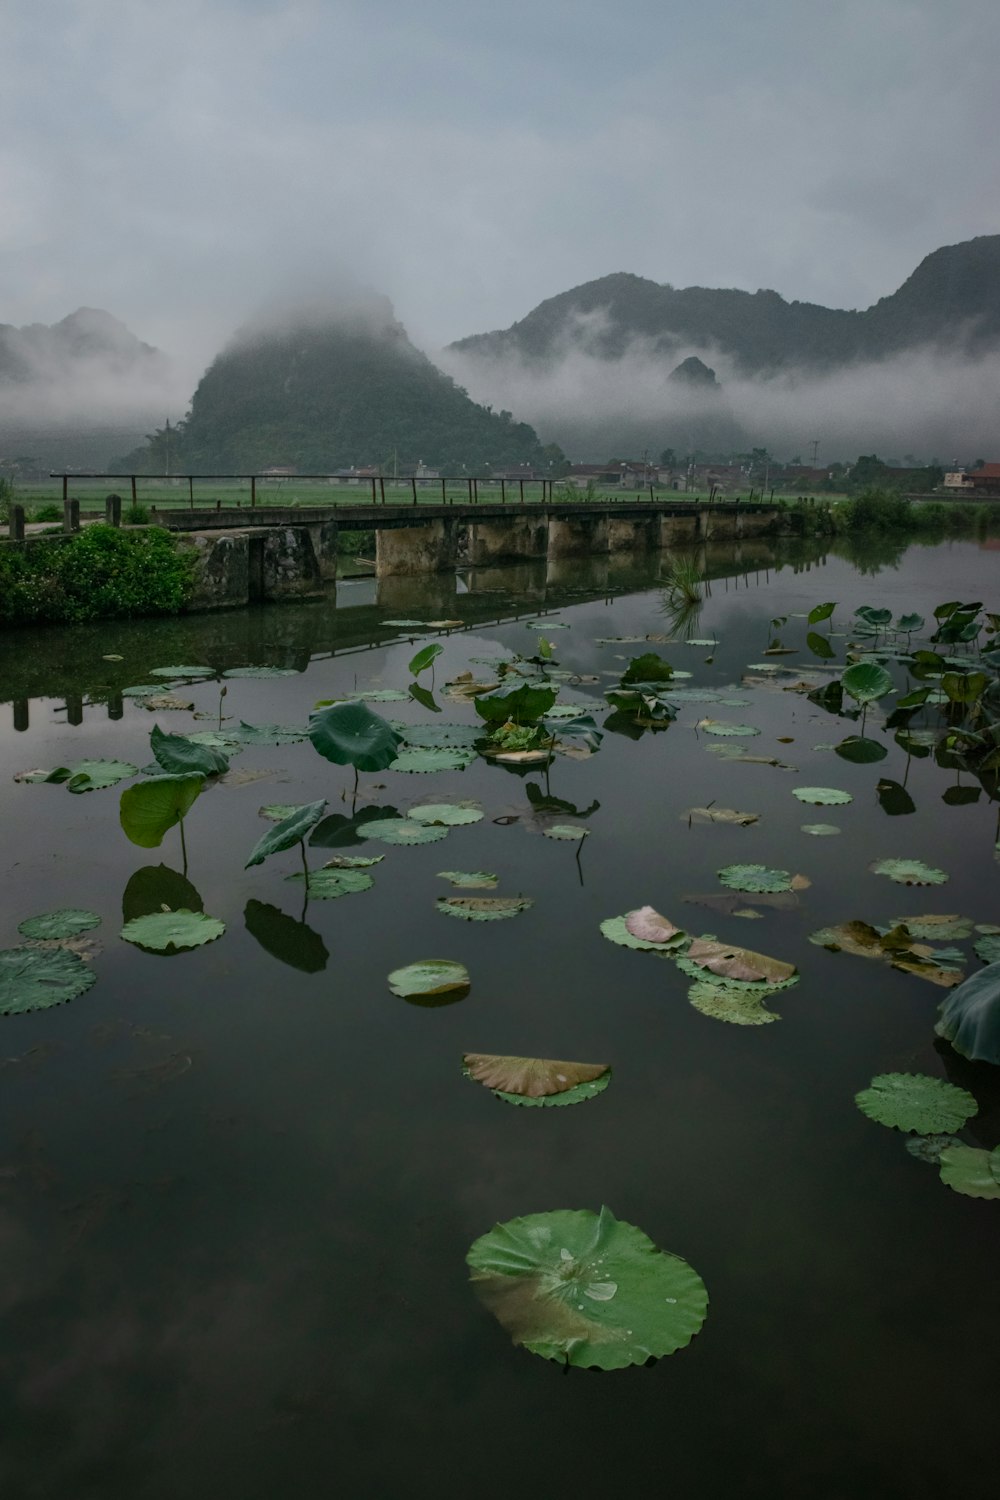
point(170, 931)
point(908, 871)
point(615, 929)
point(530, 1077)
point(449, 814)
point(735, 964)
point(822, 796)
point(401, 831)
point(84, 775)
point(440, 758)
point(327, 885)
point(425, 658)
point(969, 1017)
point(755, 878)
point(721, 727)
point(974, 1173)
point(150, 808)
point(897, 946)
point(741, 1005)
point(647, 923)
point(720, 815)
point(483, 908)
point(349, 734)
point(291, 830)
point(470, 880)
point(59, 924)
point(916, 1102)
point(35, 978)
point(567, 832)
point(176, 754)
point(430, 976)
point(586, 1289)
point(866, 682)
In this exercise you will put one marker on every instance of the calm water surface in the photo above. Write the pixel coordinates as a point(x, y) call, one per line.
point(236, 1197)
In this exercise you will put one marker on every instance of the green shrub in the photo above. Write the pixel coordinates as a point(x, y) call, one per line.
point(98, 573)
point(6, 500)
point(48, 513)
point(878, 510)
point(136, 515)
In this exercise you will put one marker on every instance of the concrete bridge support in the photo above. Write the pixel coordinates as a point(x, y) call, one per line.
point(639, 534)
point(324, 535)
point(506, 541)
point(679, 531)
point(407, 550)
point(577, 536)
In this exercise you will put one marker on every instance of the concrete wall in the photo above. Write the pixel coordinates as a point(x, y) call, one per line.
point(233, 568)
point(639, 535)
point(430, 548)
point(502, 541)
point(577, 536)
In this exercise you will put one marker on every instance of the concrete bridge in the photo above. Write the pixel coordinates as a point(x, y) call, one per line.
point(272, 552)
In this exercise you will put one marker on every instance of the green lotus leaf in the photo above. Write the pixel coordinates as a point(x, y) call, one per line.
point(149, 809)
point(291, 830)
point(402, 831)
point(934, 928)
point(84, 775)
point(755, 878)
point(425, 658)
point(872, 615)
point(142, 690)
point(275, 812)
point(545, 625)
point(910, 623)
point(450, 814)
point(987, 948)
point(367, 695)
point(177, 755)
point(349, 734)
point(648, 668)
point(615, 930)
point(529, 1077)
point(420, 762)
point(908, 871)
point(171, 931)
point(482, 908)
point(587, 1289)
point(866, 682)
point(579, 1094)
point(741, 1005)
point(254, 672)
point(820, 830)
point(974, 1173)
point(915, 1102)
point(929, 1147)
point(438, 736)
point(565, 831)
point(970, 1016)
point(563, 711)
point(820, 612)
point(860, 751)
point(267, 734)
point(353, 861)
point(327, 885)
point(720, 727)
point(288, 940)
point(470, 880)
point(431, 976)
point(218, 739)
point(523, 703)
point(58, 924)
point(182, 672)
point(822, 796)
point(35, 978)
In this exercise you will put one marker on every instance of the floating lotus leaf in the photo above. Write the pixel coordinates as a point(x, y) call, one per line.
point(974, 1173)
point(177, 755)
point(291, 830)
point(586, 1289)
point(935, 928)
point(349, 734)
point(267, 734)
point(740, 1005)
point(970, 1016)
point(720, 815)
point(289, 941)
point(166, 703)
point(648, 925)
point(822, 796)
point(915, 1102)
point(450, 814)
point(565, 831)
point(149, 809)
point(755, 878)
point(405, 624)
point(35, 978)
point(84, 775)
point(564, 711)
point(720, 727)
point(820, 830)
point(908, 871)
point(254, 672)
point(735, 965)
point(929, 1147)
point(437, 736)
point(546, 625)
point(276, 812)
point(219, 739)
point(142, 690)
point(402, 831)
point(530, 1077)
point(327, 884)
point(182, 672)
point(866, 682)
point(353, 861)
point(470, 880)
point(483, 908)
point(988, 949)
point(431, 976)
point(58, 924)
point(368, 695)
point(170, 931)
point(421, 761)
point(615, 929)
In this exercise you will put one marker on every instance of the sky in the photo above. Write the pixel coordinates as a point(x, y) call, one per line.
point(183, 164)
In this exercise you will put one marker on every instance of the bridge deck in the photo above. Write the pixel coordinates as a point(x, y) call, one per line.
point(392, 517)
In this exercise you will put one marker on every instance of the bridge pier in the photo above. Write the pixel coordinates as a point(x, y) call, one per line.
point(633, 535)
point(406, 550)
point(504, 541)
point(680, 531)
point(324, 535)
point(577, 536)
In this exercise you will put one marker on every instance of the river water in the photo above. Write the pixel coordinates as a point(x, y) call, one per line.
point(238, 1184)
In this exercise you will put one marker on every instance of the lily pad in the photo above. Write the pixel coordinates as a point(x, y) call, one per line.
point(327, 884)
point(438, 736)
point(720, 727)
point(530, 1077)
point(615, 929)
point(586, 1289)
point(59, 924)
point(915, 1102)
point(820, 830)
point(974, 1173)
point(35, 978)
point(822, 796)
point(735, 965)
point(353, 861)
point(908, 871)
point(988, 949)
point(267, 734)
point(402, 831)
point(421, 761)
point(431, 976)
point(578, 1095)
point(741, 1005)
point(567, 832)
point(291, 830)
point(182, 672)
point(755, 878)
point(84, 775)
point(483, 908)
point(254, 672)
point(170, 931)
point(470, 880)
point(449, 814)
point(720, 815)
point(937, 928)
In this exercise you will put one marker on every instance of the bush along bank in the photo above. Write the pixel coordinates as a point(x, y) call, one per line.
point(100, 573)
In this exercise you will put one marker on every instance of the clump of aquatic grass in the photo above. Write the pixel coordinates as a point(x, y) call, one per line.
point(683, 582)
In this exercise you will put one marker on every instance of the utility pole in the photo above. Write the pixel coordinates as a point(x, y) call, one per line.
point(815, 446)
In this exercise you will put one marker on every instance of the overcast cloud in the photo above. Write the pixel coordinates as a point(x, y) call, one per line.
point(181, 164)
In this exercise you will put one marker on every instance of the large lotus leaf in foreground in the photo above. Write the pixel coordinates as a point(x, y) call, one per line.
point(150, 808)
point(349, 734)
point(970, 1016)
point(583, 1288)
point(35, 978)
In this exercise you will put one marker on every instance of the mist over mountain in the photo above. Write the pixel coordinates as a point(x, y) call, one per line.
point(322, 387)
point(918, 370)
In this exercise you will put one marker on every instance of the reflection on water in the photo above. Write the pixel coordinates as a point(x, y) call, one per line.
point(236, 1190)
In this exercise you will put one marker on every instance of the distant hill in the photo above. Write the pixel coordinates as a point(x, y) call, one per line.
point(952, 300)
point(335, 388)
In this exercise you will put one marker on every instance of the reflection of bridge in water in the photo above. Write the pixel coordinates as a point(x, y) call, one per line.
point(67, 664)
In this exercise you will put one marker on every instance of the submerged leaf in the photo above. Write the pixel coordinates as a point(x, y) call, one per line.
point(908, 871)
point(915, 1102)
point(35, 978)
point(820, 830)
point(530, 1077)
